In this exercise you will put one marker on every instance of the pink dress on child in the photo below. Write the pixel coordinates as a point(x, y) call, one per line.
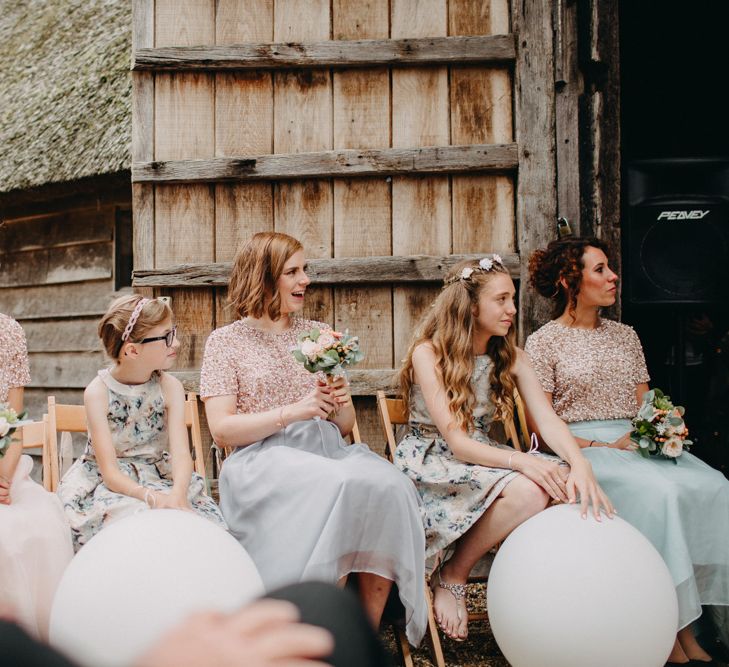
point(35, 541)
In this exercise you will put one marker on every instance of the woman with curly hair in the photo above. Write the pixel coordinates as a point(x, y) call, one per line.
point(593, 373)
point(459, 376)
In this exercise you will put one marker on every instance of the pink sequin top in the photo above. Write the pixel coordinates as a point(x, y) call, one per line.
point(591, 373)
point(256, 366)
point(14, 370)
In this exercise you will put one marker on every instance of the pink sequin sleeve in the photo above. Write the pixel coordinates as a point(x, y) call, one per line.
point(637, 358)
point(539, 352)
point(14, 368)
point(217, 374)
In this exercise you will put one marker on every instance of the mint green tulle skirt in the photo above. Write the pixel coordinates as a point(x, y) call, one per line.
point(683, 509)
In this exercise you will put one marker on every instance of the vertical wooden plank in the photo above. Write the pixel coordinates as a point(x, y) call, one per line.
point(568, 87)
point(303, 122)
point(184, 128)
point(243, 126)
point(362, 206)
point(421, 207)
point(143, 139)
point(481, 101)
point(536, 196)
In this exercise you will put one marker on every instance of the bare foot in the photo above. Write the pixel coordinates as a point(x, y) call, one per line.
point(449, 606)
point(678, 655)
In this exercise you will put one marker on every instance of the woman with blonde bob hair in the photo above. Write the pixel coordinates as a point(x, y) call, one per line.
point(304, 504)
point(458, 377)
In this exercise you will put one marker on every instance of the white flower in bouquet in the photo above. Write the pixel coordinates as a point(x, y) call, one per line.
point(310, 349)
point(326, 339)
point(672, 448)
point(4, 427)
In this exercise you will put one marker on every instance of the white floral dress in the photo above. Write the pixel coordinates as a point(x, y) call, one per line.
point(136, 417)
point(454, 494)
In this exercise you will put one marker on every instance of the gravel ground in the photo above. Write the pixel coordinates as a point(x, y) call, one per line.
point(479, 650)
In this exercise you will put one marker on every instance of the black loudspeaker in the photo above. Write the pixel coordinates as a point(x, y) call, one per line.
point(677, 232)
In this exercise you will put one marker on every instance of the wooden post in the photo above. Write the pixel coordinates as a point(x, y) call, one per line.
point(536, 198)
point(568, 85)
point(600, 127)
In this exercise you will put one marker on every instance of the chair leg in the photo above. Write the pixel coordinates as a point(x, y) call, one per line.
point(435, 645)
point(404, 646)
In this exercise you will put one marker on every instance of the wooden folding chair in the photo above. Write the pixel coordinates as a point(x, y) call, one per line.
point(393, 413)
point(65, 418)
point(34, 436)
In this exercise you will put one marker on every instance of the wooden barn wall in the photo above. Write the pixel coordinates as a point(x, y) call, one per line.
point(203, 114)
point(57, 278)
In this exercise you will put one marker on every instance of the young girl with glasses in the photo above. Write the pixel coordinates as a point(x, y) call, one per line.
point(138, 452)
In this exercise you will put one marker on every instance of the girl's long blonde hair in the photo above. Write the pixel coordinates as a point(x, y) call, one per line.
point(448, 326)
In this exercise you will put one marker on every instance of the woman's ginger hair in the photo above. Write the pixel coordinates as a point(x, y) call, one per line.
point(257, 267)
point(448, 327)
point(116, 318)
point(561, 260)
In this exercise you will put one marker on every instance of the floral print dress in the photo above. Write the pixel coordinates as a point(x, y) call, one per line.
point(138, 427)
point(454, 494)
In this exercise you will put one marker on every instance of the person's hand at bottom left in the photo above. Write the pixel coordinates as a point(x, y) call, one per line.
point(266, 633)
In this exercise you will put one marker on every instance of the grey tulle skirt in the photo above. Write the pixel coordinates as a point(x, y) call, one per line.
point(308, 507)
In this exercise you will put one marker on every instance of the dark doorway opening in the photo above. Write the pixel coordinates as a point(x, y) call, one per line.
point(673, 59)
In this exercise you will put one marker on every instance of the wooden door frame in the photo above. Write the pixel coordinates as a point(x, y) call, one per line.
point(567, 123)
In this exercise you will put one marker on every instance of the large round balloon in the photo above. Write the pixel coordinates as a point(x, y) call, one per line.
point(568, 592)
point(141, 575)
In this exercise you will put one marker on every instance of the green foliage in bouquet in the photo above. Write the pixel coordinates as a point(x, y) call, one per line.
point(8, 417)
point(659, 428)
point(328, 352)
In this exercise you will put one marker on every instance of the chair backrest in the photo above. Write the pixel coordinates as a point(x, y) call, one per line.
point(62, 418)
point(521, 415)
point(34, 436)
point(393, 412)
point(192, 421)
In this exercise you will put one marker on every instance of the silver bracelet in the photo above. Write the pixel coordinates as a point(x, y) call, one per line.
point(509, 462)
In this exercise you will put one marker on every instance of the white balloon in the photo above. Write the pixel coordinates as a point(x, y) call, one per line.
point(141, 575)
point(569, 592)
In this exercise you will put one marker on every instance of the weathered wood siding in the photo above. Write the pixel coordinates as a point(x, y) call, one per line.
point(205, 129)
point(57, 278)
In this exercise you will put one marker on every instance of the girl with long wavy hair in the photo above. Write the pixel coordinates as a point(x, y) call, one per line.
point(458, 377)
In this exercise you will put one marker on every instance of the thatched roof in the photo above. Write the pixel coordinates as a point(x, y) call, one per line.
point(65, 90)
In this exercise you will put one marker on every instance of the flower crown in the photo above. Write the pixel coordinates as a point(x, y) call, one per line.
point(485, 265)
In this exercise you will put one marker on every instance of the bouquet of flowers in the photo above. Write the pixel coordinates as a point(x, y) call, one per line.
point(659, 429)
point(329, 352)
point(9, 422)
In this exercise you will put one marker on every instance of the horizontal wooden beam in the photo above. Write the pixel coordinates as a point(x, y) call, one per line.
point(339, 271)
point(491, 158)
point(362, 382)
point(339, 53)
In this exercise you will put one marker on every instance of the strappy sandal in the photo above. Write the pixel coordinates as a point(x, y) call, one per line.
point(458, 591)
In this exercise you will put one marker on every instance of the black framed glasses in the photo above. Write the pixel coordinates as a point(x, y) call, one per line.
point(168, 338)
